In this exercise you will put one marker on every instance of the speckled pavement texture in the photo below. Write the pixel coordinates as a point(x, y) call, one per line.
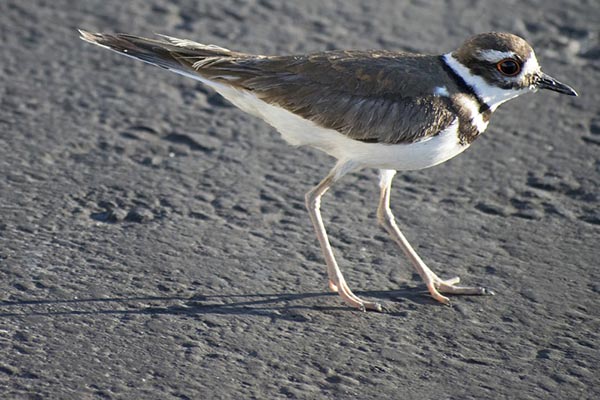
point(154, 242)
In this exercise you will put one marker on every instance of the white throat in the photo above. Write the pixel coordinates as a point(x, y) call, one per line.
point(493, 96)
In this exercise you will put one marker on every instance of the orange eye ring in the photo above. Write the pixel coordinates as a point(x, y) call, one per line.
point(509, 67)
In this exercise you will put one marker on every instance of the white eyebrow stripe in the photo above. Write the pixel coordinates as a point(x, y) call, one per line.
point(495, 55)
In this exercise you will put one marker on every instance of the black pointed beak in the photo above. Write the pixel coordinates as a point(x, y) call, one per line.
point(545, 81)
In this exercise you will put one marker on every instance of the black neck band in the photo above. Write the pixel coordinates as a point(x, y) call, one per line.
point(464, 86)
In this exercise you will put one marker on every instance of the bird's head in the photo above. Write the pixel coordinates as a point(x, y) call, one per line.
point(500, 66)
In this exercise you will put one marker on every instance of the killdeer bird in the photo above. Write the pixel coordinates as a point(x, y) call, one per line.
point(388, 110)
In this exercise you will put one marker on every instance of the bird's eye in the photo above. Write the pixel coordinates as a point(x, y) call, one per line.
point(509, 67)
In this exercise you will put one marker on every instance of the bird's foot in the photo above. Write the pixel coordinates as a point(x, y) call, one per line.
point(438, 286)
point(351, 299)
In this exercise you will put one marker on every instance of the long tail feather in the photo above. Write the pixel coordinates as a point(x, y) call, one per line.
point(178, 55)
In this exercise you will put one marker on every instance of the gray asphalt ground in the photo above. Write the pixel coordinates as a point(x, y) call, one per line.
point(154, 242)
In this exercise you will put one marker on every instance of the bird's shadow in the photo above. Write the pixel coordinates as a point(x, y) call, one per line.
point(286, 306)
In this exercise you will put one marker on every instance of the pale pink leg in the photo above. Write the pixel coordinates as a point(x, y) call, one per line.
point(435, 285)
point(336, 279)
